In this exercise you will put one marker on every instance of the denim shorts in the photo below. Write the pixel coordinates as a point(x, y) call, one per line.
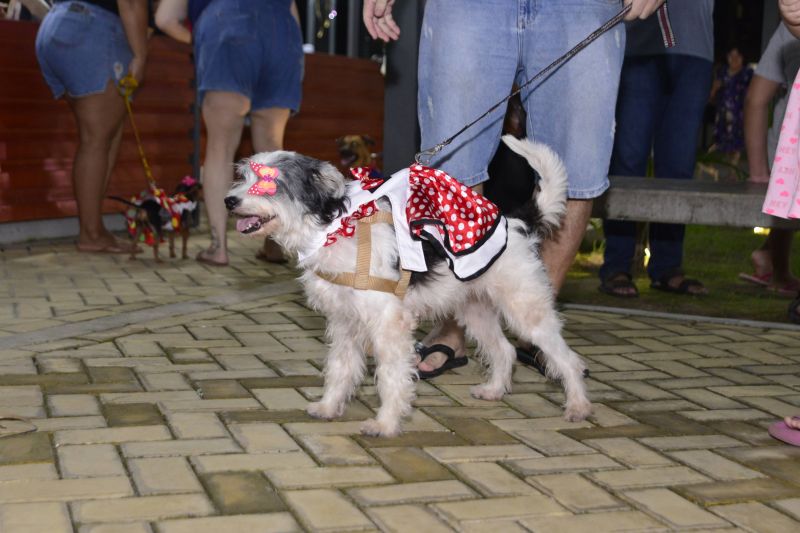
point(250, 47)
point(80, 47)
point(471, 51)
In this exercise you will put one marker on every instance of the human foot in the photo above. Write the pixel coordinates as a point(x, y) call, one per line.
point(620, 285)
point(679, 284)
point(212, 258)
point(787, 430)
point(105, 244)
point(449, 335)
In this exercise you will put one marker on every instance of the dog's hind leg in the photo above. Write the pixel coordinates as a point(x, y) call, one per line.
point(393, 349)
point(172, 245)
point(482, 323)
point(561, 362)
point(344, 369)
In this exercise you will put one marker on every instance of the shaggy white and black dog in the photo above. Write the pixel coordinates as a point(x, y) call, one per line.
point(307, 196)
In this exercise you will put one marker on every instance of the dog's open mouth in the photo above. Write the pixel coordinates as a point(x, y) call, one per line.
point(347, 157)
point(249, 224)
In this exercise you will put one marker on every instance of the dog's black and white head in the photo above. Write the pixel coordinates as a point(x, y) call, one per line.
point(308, 195)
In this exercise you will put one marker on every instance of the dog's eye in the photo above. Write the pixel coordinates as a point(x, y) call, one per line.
point(238, 180)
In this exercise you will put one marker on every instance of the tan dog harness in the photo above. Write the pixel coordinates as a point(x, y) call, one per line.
point(361, 278)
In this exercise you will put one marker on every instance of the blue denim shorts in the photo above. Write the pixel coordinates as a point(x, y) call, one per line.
point(471, 51)
point(251, 47)
point(80, 47)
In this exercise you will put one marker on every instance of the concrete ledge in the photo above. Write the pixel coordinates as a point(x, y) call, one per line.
point(687, 202)
point(56, 228)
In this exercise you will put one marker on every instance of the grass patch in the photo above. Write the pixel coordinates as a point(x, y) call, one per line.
point(713, 255)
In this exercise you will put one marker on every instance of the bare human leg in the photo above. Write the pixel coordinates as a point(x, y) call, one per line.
point(267, 129)
point(223, 114)
point(447, 332)
point(99, 119)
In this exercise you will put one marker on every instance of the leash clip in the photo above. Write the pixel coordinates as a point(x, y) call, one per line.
point(425, 156)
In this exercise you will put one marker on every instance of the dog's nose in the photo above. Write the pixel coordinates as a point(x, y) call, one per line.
point(231, 202)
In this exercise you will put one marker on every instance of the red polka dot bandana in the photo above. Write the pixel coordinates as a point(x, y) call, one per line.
point(348, 224)
point(366, 176)
point(266, 179)
point(463, 217)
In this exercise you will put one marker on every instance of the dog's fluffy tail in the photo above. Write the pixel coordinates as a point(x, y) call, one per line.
point(551, 198)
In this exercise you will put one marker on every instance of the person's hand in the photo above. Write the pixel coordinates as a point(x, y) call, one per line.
point(136, 68)
point(790, 11)
point(379, 21)
point(641, 9)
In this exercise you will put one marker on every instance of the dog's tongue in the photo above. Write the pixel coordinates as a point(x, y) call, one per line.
point(244, 224)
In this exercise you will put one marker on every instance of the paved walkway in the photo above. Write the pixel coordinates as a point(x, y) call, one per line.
point(170, 399)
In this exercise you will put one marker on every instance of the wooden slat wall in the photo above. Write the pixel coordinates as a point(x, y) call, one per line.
point(38, 136)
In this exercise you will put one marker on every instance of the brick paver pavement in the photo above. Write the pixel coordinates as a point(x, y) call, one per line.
point(169, 398)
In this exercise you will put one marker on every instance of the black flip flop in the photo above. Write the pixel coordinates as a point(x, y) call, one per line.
point(684, 287)
point(451, 362)
point(536, 360)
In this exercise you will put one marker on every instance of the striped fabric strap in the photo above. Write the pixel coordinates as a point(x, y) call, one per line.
point(666, 26)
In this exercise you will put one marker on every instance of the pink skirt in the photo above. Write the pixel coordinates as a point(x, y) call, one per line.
point(783, 194)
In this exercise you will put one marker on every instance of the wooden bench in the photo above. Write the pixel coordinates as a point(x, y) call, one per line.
point(687, 202)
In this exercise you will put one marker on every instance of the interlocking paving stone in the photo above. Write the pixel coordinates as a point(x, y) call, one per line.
point(142, 508)
point(407, 518)
point(492, 480)
point(409, 464)
point(182, 447)
point(262, 523)
point(232, 462)
point(326, 510)
point(30, 448)
point(507, 507)
point(649, 477)
point(575, 492)
point(594, 522)
point(242, 493)
point(184, 388)
point(163, 476)
point(336, 450)
point(35, 518)
point(756, 517)
point(714, 465)
point(89, 460)
point(629, 452)
point(423, 492)
point(739, 491)
point(64, 489)
point(333, 476)
point(674, 510)
point(117, 527)
point(132, 414)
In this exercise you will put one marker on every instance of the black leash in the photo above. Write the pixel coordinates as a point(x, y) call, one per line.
point(424, 157)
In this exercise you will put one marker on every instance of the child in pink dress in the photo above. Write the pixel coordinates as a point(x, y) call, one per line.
point(783, 194)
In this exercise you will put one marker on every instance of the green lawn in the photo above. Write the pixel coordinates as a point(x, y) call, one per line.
point(711, 254)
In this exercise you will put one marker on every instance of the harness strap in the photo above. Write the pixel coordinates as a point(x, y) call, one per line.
point(361, 279)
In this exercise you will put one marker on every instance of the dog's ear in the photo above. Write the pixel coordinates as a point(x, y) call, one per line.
point(369, 141)
point(339, 141)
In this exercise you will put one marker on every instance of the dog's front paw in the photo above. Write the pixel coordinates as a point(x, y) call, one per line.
point(324, 410)
point(374, 428)
point(487, 392)
point(577, 411)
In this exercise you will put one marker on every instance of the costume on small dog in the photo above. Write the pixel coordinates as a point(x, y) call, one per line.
point(492, 276)
point(153, 213)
